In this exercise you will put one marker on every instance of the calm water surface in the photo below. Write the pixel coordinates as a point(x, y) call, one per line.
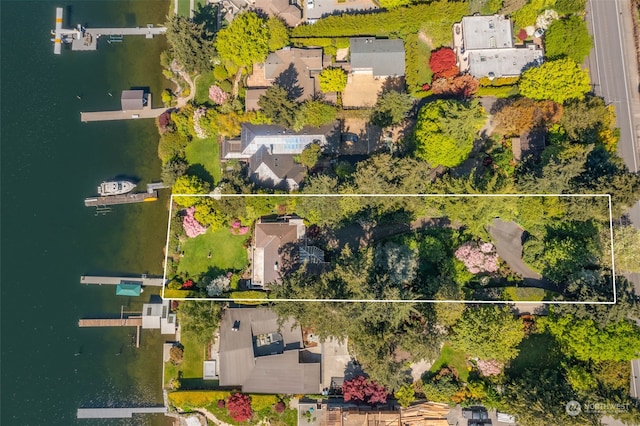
point(50, 163)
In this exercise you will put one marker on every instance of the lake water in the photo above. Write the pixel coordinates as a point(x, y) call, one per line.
point(50, 163)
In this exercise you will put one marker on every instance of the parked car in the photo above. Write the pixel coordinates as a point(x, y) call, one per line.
point(539, 33)
point(309, 4)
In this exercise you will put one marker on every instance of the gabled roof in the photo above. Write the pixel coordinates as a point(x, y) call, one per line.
point(269, 237)
point(278, 171)
point(242, 365)
point(385, 57)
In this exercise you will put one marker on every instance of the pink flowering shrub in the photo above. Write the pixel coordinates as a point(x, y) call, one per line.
point(191, 226)
point(217, 95)
point(489, 368)
point(478, 257)
point(237, 228)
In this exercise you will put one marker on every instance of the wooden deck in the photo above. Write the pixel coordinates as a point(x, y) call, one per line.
point(117, 413)
point(144, 281)
point(111, 322)
point(121, 115)
point(112, 200)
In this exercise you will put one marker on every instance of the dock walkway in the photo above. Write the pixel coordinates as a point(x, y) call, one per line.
point(112, 200)
point(143, 280)
point(110, 322)
point(89, 41)
point(117, 413)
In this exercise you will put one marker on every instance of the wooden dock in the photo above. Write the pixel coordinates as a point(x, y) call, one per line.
point(143, 280)
point(121, 115)
point(112, 200)
point(89, 40)
point(111, 322)
point(117, 413)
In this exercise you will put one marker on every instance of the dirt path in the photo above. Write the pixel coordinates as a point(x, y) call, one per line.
point(211, 417)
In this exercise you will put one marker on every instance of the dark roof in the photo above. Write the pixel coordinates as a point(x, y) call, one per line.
point(241, 362)
point(529, 143)
point(275, 171)
point(132, 99)
point(385, 57)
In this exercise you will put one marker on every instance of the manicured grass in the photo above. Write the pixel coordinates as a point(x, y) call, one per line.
point(192, 362)
point(226, 251)
point(528, 294)
point(202, 88)
point(452, 358)
point(203, 156)
point(183, 8)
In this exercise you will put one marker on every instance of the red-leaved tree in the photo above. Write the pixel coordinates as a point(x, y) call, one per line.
point(361, 389)
point(443, 63)
point(239, 406)
point(462, 86)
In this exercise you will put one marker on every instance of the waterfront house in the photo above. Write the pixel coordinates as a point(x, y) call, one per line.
point(270, 153)
point(287, 10)
point(259, 356)
point(270, 237)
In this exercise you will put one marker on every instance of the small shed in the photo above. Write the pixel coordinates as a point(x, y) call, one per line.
point(209, 370)
point(132, 100)
point(128, 289)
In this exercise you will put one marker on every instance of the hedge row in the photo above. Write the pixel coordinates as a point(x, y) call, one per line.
point(195, 399)
point(436, 19)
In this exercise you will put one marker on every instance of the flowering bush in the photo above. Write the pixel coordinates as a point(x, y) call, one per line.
point(239, 406)
point(197, 115)
point(489, 368)
point(237, 228)
point(217, 95)
point(279, 407)
point(478, 258)
point(187, 284)
point(191, 226)
point(236, 224)
point(218, 285)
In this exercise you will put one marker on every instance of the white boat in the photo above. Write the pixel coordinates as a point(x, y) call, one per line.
point(115, 187)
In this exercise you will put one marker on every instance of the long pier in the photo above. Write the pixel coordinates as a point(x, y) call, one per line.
point(110, 322)
point(121, 115)
point(117, 413)
point(111, 200)
point(143, 280)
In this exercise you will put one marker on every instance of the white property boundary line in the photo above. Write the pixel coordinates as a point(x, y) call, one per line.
point(501, 302)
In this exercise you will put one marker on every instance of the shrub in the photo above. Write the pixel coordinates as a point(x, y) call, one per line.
point(191, 226)
point(262, 402)
point(361, 389)
point(239, 407)
point(220, 73)
point(280, 407)
point(443, 62)
point(478, 257)
point(217, 95)
point(176, 353)
point(221, 403)
point(259, 296)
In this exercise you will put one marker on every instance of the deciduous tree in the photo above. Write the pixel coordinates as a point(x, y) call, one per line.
point(461, 86)
point(189, 184)
point(443, 63)
point(239, 407)
point(245, 41)
point(310, 155)
point(200, 319)
point(315, 113)
point(332, 80)
point(558, 80)
point(488, 332)
point(361, 389)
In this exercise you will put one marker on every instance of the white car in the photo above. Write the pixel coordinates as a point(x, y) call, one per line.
point(539, 33)
point(309, 4)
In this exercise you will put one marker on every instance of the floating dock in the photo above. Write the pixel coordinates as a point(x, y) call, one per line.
point(112, 200)
point(117, 413)
point(143, 280)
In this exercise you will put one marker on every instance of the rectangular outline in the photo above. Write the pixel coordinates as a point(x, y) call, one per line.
point(497, 302)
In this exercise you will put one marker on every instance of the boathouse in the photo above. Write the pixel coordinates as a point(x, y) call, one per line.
point(132, 100)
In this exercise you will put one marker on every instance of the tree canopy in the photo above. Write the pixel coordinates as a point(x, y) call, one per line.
point(558, 80)
point(189, 184)
point(191, 45)
point(391, 108)
point(488, 332)
point(245, 41)
point(277, 106)
point(332, 79)
point(445, 131)
point(200, 319)
point(278, 33)
point(568, 38)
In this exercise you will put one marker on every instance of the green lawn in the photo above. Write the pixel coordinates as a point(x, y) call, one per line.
point(528, 294)
point(226, 251)
point(192, 363)
point(183, 8)
point(452, 358)
point(203, 156)
point(202, 88)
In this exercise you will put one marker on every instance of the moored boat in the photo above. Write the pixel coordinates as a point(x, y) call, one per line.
point(115, 187)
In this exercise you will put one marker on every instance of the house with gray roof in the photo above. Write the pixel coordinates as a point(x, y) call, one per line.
point(380, 57)
point(270, 151)
point(287, 10)
point(133, 100)
point(484, 47)
point(258, 355)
